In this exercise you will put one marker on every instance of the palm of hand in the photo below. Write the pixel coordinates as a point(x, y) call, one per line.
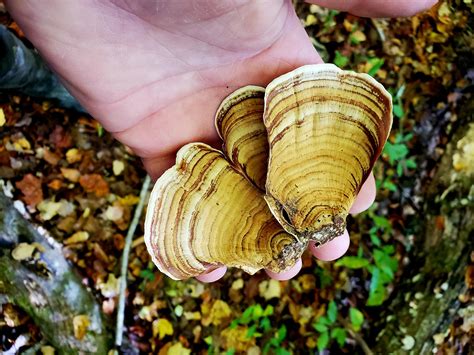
point(154, 73)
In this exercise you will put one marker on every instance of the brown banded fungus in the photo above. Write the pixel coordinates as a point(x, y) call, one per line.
point(293, 159)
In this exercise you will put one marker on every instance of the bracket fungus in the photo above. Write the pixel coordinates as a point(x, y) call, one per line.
point(294, 157)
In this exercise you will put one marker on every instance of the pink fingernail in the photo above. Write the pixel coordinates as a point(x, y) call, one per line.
point(286, 275)
point(333, 249)
point(213, 275)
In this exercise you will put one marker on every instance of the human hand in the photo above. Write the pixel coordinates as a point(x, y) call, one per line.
point(154, 72)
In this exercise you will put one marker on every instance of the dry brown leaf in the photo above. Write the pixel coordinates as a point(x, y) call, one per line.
point(30, 186)
point(72, 175)
point(94, 183)
point(50, 157)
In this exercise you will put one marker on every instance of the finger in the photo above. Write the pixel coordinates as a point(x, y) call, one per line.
point(331, 250)
point(156, 166)
point(212, 275)
point(286, 275)
point(366, 196)
point(377, 8)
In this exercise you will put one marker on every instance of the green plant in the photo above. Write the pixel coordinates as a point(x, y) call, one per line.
point(380, 263)
point(328, 328)
point(258, 321)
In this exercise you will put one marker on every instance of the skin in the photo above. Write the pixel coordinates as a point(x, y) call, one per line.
point(153, 72)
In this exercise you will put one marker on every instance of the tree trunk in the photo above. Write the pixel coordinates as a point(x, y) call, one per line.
point(426, 303)
point(48, 289)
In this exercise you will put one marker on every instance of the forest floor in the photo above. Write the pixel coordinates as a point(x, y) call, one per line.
point(72, 178)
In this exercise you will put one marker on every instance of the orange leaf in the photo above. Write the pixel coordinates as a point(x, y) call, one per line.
point(94, 183)
point(30, 186)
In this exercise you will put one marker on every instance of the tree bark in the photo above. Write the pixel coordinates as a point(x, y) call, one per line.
point(48, 289)
point(426, 303)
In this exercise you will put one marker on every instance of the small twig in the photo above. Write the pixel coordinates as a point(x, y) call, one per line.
point(359, 340)
point(124, 265)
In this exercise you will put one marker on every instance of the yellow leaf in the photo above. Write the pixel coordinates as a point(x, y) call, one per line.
point(2, 117)
point(178, 349)
point(129, 200)
point(72, 175)
point(219, 312)
point(358, 36)
point(117, 167)
point(73, 155)
point(77, 237)
point(23, 251)
point(269, 289)
point(81, 324)
point(47, 350)
point(162, 327)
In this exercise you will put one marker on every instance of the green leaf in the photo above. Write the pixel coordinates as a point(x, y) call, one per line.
point(208, 340)
point(265, 324)
point(376, 290)
point(320, 327)
point(257, 312)
point(281, 351)
point(398, 111)
point(395, 152)
point(357, 318)
point(340, 335)
point(325, 278)
point(352, 262)
point(230, 352)
point(281, 333)
point(410, 163)
point(323, 341)
point(332, 311)
point(376, 65)
point(247, 315)
point(340, 60)
point(147, 274)
point(382, 223)
point(375, 240)
point(268, 311)
point(390, 186)
point(251, 331)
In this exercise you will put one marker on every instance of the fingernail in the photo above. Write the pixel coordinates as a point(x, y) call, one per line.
point(212, 275)
point(286, 275)
point(331, 250)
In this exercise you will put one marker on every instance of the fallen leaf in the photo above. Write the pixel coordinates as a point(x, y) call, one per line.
point(237, 339)
point(220, 311)
point(94, 183)
point(73, 155)
point(49, 209)
point(80, 324)
point(111, 287)
point(269, 289)
point(23, 251)
point(72, 175)
point(55, 184)
point(117, 167)
point(77, 237)
point(113, 213)
point(178, 349)
point(2, 117)
point(162, 327)
point(60, 138)
point(30, 186)
point(50, 157)
point(47, 350)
